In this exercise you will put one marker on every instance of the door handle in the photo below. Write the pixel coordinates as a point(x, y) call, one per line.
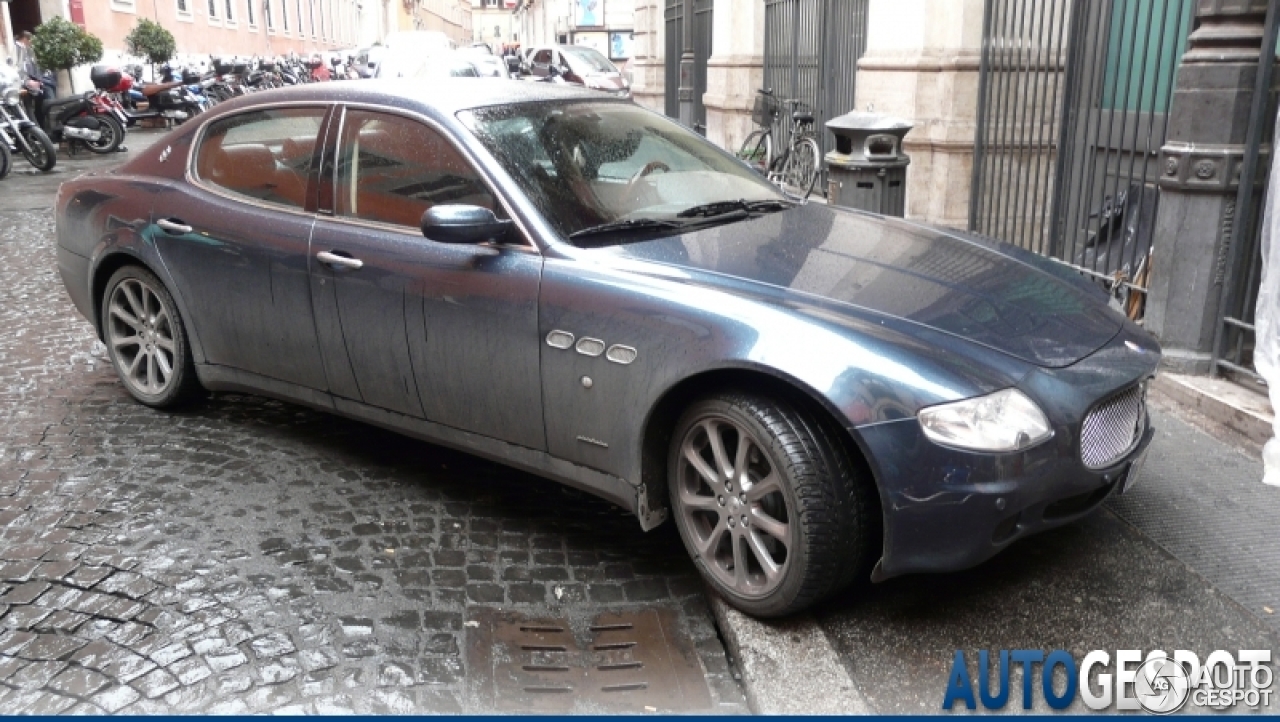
point(333, 259)
point(173, 226)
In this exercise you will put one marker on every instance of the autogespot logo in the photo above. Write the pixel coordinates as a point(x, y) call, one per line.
point(1155, 682)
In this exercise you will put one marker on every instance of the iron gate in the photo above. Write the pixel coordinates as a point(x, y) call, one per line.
point(677, 12)
point(1235, 335)
point(811, 52)
point(1073, 97)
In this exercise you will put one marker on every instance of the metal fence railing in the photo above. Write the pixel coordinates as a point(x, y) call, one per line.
point(1073, 100)
point(1235, 335)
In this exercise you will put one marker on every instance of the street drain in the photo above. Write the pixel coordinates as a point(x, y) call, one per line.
point(616, 662)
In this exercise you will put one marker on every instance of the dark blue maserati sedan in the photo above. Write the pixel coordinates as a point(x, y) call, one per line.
point(582, 289)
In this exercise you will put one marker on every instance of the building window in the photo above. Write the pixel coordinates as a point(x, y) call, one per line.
point(184, 8)
point(230, 17)
point(249, 17)
point(311, 8)
point(284, 15)
point(213, 12)
point(124, 6)
point(266, 14)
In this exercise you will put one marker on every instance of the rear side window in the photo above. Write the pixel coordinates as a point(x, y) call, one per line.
point(265, 155)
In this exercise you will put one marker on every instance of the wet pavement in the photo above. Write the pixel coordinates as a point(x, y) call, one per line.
point(250, 556)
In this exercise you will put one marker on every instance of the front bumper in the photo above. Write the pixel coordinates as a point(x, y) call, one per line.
point(948, 509)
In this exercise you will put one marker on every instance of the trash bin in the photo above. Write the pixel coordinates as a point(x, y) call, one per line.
point(868, 170)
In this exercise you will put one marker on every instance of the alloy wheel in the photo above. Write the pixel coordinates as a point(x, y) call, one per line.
point(730, 496)
point(141, 334)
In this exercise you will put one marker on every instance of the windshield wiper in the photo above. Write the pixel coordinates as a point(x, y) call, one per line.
point(627, 226)
point(720, 208)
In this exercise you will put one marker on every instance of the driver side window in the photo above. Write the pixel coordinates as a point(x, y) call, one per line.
point(391, 169)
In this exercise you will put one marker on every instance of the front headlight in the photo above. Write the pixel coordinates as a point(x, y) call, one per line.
point(12, 96)
point(1003, 421)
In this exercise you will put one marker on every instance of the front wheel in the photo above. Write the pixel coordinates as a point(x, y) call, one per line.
point(6, 158)
point(768, 503)
point(757, 150)
point(110, 137)
point(146, 339)
point(38, 149)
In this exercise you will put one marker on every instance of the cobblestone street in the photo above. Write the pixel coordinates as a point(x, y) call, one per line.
point(250, 556)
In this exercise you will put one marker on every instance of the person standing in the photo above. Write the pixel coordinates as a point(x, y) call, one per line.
point(37, 90)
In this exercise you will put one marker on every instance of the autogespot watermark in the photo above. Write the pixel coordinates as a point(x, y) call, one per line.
point(1127, 680)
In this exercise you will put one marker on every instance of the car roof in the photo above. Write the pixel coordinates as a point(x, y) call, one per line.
point(446, 96)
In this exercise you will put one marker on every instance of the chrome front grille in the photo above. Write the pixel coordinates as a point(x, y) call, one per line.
point(1113, 427)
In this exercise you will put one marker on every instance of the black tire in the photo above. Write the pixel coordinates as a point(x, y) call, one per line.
point(6, 159)
point(159, 321)
point(38, 150)
point(112, 136)
point(832, 524)
point(804, 165)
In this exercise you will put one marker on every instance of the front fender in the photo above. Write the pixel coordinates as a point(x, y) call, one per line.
point(866, 370)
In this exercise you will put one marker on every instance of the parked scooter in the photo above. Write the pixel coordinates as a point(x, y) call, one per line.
point(84, 120)
point(19, 132)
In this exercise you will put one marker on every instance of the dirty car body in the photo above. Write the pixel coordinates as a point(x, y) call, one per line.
point(569, 346)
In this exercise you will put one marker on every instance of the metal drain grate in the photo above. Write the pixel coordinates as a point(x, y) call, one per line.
point(612, 663)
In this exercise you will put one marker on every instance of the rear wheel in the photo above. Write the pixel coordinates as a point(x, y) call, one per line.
point(38, 149)
point(768, 503)
point(803, 164)
point(146, 339)
point(110, 138)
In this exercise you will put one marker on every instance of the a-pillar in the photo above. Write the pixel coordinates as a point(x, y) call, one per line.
point(1195, 227)
point(646, 66)
point(921, 64)
point(735, 70)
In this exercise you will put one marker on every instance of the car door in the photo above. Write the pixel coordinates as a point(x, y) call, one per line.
point(431, 330)
point(235, 239)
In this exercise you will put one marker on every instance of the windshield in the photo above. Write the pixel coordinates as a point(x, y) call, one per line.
point(587, 165)
point(589, 58)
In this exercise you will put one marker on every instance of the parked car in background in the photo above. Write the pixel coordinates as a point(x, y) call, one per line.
point(589, 291)
point(427, 41)
point(487, 64)
point(423, 65)
point(580, 65)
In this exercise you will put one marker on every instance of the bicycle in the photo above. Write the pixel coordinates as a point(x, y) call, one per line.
point(797, 166)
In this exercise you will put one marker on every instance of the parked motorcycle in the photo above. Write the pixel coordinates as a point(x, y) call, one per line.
point(6, 160)
point(19, 132)
point(84, 120)
point(168, 101)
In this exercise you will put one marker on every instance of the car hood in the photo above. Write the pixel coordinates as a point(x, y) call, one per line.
point(988, 293)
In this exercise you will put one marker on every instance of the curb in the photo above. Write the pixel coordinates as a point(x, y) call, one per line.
point(788, 666)
point(1221, 402)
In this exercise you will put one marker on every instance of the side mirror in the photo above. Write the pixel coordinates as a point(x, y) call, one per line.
point(463, 224)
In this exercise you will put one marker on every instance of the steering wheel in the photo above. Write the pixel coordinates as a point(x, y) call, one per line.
point(648, 168)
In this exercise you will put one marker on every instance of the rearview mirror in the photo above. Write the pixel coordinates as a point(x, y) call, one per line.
point(463, 224)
